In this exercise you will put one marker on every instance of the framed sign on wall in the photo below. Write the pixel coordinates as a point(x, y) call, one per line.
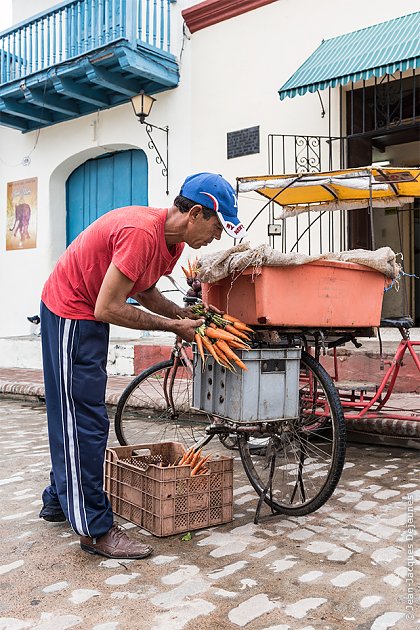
point(22, 206)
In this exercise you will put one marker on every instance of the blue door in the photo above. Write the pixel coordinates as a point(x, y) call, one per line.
point(100, 185)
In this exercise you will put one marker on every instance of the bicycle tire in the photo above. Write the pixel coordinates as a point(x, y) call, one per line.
point(300, 487)
point(143, 414)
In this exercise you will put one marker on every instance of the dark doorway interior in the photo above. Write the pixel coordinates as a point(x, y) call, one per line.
point(383, 121)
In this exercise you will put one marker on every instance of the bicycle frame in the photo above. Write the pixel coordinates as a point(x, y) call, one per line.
point(181, 359)
point(374, 406)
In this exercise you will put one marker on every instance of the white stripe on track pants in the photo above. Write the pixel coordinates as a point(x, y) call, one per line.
point(74, 354)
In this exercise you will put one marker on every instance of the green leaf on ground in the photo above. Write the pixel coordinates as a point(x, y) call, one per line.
point(187, 536)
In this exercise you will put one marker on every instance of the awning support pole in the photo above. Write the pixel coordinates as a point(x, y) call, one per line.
point(372, 234)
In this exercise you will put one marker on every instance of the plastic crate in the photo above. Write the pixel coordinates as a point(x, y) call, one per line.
point(324, 293)
point(268, 390)
point(167, 501)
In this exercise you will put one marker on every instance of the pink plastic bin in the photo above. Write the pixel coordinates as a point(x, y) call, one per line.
point(318, 294)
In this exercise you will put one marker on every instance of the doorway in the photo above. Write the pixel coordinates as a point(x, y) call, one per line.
point(102, 184)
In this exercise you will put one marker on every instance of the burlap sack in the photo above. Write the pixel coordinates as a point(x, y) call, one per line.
point(214, 267)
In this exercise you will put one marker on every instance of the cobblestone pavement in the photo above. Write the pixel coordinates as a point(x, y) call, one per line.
point(348, 566)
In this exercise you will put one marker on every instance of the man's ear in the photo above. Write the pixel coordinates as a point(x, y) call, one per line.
point(195, 211)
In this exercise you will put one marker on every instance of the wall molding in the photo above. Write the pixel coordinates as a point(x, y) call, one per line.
point(212, 12)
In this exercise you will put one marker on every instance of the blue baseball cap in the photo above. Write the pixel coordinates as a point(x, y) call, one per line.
point(214, 192)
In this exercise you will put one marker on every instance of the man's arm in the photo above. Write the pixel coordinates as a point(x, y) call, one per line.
point(154, 301)
point(111, 307)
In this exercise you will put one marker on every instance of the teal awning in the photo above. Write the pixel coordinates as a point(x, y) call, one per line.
point(374, 51)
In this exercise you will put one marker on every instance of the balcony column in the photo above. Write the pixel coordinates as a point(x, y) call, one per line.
point(131, 20)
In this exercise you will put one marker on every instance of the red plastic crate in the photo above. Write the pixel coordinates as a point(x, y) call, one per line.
point(167, 501)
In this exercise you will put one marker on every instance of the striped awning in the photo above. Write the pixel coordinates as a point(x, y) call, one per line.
point(374, 51)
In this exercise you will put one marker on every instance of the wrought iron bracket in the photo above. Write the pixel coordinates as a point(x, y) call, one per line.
point(159, 158)
point(322, 104)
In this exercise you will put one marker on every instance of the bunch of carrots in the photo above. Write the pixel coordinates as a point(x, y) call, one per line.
point(195, 460)
point(221, 335)
point(191, 458)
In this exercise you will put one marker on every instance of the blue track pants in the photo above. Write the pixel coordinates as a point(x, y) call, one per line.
point(74, 354)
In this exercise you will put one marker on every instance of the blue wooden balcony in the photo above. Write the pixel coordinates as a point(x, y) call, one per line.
point(81, 56)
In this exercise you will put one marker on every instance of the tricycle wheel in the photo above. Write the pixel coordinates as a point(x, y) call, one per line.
point(299, 462)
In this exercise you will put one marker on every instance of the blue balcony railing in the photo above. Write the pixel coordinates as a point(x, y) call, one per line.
point(72, 29)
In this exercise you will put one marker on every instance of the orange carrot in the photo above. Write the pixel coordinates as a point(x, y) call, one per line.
point(195, 458)
point(238, 333)
point(229, 318)
point(213, 325)
point(188, 459)
point(189, 456)
point(238, 344)
point(220, 358)
point(241, 364)
point(231, 354)
point(224, 358)
point(185, 271)
point(209, 347)
point(200, 464)
point(199, 343)
point(184, 457)
point(241, 326)
point(220, 334)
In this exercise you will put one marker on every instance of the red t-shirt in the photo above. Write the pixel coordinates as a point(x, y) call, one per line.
point(132, 238)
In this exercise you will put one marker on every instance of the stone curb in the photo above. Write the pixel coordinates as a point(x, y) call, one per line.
point(22, 389)
point(31, 390)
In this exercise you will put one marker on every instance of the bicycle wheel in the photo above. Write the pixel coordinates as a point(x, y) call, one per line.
point(156, 407)
point(297, 464)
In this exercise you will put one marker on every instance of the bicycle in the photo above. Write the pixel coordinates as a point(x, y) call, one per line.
point(365, 405)
point(294, 464)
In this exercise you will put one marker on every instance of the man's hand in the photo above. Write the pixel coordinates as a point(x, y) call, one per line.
point(188, 312)
point(185, 328)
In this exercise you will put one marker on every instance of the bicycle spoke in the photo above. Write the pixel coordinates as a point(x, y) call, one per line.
point(143, 408)
point(309, 450)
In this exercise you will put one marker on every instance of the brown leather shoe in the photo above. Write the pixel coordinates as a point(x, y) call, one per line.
point(116, 544)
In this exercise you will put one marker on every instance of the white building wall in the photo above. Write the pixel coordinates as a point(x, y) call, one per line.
point(238, 67)
point(24, 10)
point(230, 76)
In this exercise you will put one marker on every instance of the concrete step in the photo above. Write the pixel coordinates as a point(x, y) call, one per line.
point(363, 366)
point(125, 356)
point(354, 386)
point(131, 356)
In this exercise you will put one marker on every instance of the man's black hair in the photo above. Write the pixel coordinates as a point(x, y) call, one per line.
point(184, 205)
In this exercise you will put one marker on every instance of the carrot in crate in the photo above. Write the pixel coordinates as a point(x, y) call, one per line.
point(200, 464)
point(230, 354)
point(186, 457)
point(209, 347)
point(224, 358)
point(195, 458)
point(199, 342)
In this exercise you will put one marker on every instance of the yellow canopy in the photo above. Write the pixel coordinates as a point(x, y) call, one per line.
point(336, 190)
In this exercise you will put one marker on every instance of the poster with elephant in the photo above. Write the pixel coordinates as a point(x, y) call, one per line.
point(22, 202)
